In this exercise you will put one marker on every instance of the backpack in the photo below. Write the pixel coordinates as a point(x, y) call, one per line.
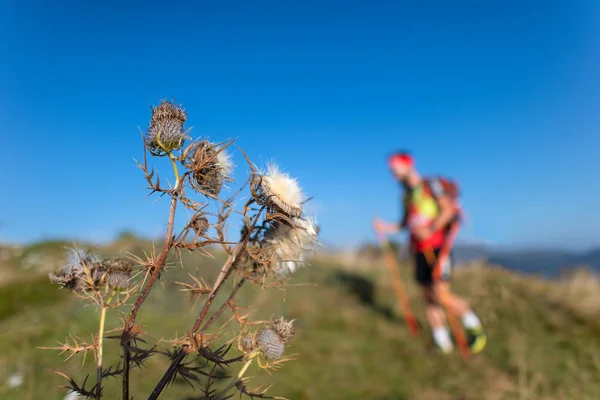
point(440, 185)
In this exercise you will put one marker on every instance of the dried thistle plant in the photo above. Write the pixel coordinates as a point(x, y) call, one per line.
point(106, 283)
point(274, 241)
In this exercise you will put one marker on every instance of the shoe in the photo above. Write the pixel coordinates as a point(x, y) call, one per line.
point(477, 339)
point(433, 349)
point(442, 351)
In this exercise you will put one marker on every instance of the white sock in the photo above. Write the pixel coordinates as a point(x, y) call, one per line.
point(442, 338)
point(470, 320)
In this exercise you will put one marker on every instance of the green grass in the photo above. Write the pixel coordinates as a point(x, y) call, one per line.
point(18, 297)
point(351, 341)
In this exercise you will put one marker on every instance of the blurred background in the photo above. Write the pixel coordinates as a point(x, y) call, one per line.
point(503, 96)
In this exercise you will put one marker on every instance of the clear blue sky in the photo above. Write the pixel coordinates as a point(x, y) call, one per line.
point(503, 95)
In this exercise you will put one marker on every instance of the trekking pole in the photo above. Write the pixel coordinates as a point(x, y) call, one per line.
point(393, 267)
point(459, 334)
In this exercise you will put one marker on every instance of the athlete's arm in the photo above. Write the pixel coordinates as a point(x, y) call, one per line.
point(386, 227)
point(404, 221)
point(393, 227)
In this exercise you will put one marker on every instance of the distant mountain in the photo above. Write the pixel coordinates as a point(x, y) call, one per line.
point(548, 263)
point(465, 252)
point(591, 258)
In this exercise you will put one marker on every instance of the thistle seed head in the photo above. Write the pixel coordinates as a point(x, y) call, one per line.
point(210, 167)
point(287, 244)
point(278, 192)
point(165, 133)
point(224, 162)
point(272, 340)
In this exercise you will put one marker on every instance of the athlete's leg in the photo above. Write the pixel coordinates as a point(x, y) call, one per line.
point(434, 312)
point(453, 302)
point(460, 307)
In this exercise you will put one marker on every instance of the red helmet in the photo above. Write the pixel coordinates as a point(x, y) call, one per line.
point(402, 160)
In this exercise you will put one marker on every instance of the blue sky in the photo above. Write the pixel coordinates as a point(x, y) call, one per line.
point(502, 95)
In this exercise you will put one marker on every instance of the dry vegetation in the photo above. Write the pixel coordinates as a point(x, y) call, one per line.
point(351, 342)
point(273, 242)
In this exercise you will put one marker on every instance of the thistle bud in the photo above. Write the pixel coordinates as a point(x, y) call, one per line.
point(247, 343)
point(272, 340)
point(165, 133)
point(118, 273)
point(200, 224)
point(118, 280)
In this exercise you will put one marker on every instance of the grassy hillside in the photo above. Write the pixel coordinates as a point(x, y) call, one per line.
point(351, 342)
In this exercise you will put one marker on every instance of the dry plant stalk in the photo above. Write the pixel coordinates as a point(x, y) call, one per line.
point(271, 246)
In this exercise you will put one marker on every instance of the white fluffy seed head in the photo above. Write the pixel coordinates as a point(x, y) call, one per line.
point(224, 162)
point(283, 186)
point(78, 259)
point(289, 244)
point(287, 268)
point(302, 235)
point(306, 232)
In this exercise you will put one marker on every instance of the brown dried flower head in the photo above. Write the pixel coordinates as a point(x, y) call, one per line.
point(85, 272)
point(284, 329)
point(165, 133)
point(74, 274)
point(210, 167)
point(279, 192)
point(200, 224)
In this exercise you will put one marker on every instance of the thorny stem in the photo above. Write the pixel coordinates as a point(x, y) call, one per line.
point(224, 306)
point(175, 170)
point(177, 360)
point(126, 356)
point(225, 271)
point(100, 342)
point(175, 364)
point(158, 266)
point(167, 376)
point(236, 379)
point(224, 274)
